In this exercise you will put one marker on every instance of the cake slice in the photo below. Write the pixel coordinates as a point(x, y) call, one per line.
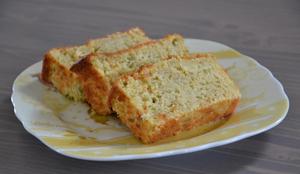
point(174, 95)
point(58, 61)
point(99, 71)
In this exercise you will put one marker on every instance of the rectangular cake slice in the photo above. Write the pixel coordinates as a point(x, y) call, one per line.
point(174, 95)
point(58, 61)
point(99, 71)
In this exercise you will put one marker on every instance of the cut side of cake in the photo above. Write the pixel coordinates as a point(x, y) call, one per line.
point(173, 96)
point(58, 61)
point(99, 71)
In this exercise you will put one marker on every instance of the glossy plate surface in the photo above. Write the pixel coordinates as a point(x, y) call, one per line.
point(68, 128)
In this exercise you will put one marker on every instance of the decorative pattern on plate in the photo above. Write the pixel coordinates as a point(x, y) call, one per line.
point(70, 129)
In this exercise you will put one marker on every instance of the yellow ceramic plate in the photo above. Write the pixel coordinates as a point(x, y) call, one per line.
point(69, 129)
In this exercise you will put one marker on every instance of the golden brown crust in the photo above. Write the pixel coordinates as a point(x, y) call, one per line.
point(141, 45)
point(145, 68)
point(130, 30)
point(96, 87)
point(45, 74)
point(132, 118)
point(52, 68)
point(56, 74)
point(114, 54)
point(193, 119)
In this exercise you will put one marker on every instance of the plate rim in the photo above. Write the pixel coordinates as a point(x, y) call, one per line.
point(173, 151)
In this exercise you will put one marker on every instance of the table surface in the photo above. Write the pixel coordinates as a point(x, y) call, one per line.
point(268, 31)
